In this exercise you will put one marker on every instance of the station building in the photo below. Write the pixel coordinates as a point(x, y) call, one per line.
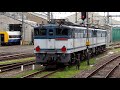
point(12, 21)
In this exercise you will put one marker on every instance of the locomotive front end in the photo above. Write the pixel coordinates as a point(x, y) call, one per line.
point(51, 44)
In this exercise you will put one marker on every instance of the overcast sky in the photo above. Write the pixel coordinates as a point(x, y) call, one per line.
point(61, 15)
point(65, 14)
point(111, 13)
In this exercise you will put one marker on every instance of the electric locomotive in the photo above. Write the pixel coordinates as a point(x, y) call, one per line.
point(62, 44)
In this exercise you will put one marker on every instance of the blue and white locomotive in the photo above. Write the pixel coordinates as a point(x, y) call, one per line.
point(54, 43)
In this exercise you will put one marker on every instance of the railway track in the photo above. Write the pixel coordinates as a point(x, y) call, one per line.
point(15, 56)
point(40, 72)
point(8, 67)
point(105, 70)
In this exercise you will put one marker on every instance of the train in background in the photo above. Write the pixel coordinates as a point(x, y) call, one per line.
point(64, 43)
point(10, 37)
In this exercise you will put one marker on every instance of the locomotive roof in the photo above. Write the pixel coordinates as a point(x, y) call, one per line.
point(77, 27)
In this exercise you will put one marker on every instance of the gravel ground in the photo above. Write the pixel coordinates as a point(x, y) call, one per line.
point(116, 73)
point(16, 49)
point(100, 61)
point(107, 68)
point(15, 72)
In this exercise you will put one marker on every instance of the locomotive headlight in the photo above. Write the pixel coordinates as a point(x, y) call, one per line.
point(37, 49)
point(63, 49)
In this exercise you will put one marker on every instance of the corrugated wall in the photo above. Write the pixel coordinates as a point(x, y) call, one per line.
point(116, 34)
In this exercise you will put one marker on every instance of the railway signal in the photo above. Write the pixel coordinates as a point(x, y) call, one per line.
point(83, 15)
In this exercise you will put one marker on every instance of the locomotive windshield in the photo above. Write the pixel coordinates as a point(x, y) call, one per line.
point(40, 31)
point(61, 31)
point(51, 31)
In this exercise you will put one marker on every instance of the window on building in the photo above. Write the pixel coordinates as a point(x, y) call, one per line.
point(14, 36)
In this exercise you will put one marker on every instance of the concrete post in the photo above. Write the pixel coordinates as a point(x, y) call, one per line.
point(33, 67)
point(21, 67)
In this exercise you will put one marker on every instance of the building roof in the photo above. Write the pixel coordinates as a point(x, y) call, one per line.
point(41, 14)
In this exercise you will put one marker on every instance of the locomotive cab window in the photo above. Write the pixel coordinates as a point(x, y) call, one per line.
point(36, 31)
point(40, 31)
point(62, 31)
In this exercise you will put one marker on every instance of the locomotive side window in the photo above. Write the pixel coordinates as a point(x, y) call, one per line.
point(101, 34)
point(84, 33)
point(89, 33)
point(98, 34)
point(94, 33)
point(62, 31)
point(73, 33)
point(105, 33)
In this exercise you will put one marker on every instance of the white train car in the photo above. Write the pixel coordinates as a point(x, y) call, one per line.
point(62, 43)
point(10, 37)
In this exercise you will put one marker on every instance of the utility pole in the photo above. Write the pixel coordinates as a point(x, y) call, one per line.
point(48, 16)
point(87, 40)
point(107, 17)
point(109, 32)
point(104, 19)
point(51, 15)
point(92, 18)
point(76, 17)
point(23, 31)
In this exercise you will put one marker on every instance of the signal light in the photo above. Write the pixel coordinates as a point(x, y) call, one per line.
point(63, 49)
point(37, 48)
point(83, 15)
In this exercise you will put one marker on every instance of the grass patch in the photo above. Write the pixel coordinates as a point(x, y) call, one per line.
point(69, 72)
point(23, 74)
point(41, 74)
point(17, 60)
point(26, 73)
point(117, 49)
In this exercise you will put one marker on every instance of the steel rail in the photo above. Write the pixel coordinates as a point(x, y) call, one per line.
point(101, 66)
